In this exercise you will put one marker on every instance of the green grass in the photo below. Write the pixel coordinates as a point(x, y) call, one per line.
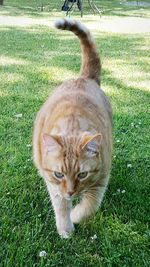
point(33, 60)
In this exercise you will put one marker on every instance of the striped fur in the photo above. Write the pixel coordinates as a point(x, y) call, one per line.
point(73, 136)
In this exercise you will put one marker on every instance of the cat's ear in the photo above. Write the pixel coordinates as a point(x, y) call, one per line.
point(51, 143)
point(91, 144)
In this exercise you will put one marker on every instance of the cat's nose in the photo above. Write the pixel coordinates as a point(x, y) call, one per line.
point(70, 193)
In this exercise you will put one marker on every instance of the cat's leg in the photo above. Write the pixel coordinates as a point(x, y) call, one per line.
point(62, 209)
point(88, 205)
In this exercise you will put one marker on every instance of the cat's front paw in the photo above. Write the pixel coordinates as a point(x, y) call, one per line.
point(65, 232)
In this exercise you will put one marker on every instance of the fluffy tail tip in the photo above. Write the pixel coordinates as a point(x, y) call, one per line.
point(61, 23)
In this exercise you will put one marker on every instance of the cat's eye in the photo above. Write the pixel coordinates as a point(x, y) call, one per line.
point(58, 175)
point(82, 175)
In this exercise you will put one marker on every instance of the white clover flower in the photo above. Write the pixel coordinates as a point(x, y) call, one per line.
point(42, 253)
point(94, 237)
point(123, 191)
point(129, 165)
point(18, 115)
point(29, 145)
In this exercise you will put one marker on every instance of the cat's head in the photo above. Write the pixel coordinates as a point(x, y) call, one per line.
point(71, 162)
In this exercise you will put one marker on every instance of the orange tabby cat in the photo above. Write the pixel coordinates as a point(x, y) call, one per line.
point(72, 140)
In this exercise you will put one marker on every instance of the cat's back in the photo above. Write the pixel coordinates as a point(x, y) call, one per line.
point(79, 93)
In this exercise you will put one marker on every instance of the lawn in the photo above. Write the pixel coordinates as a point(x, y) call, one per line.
point(34, 58)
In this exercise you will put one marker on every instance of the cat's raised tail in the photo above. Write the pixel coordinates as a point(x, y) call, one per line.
point(91, 66)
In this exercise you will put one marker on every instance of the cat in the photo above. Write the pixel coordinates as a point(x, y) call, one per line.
point(72, 138)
